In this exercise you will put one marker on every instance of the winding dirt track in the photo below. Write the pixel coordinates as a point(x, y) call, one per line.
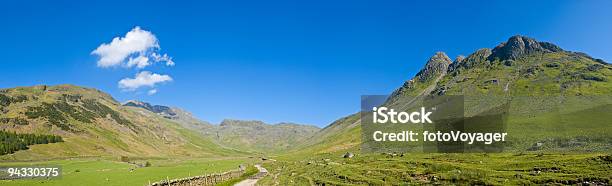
point(253, 179)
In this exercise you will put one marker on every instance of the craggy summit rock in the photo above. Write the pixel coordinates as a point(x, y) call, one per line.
point(518, 46)
point(435, 66)
point(164, 111)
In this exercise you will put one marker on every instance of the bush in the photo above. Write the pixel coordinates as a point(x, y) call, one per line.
point(593, 77)
point(552, 65)
point(124, 159)
point(16, 121)
point(5, 100)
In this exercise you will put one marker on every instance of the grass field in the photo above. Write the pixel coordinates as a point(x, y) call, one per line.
point(572, 152)
point(113, 172)
point(465, 168)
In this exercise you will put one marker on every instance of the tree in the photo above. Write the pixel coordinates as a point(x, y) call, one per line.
point(11, 142)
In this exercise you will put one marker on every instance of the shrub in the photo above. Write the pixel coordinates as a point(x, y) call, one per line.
point(124, 159)
point(593, 77)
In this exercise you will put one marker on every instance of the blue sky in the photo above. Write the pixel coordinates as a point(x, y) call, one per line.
point(298, 61)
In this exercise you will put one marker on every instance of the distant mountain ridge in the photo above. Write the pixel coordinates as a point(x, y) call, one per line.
point(262, 137)
point(249, 135)
point(159, 109)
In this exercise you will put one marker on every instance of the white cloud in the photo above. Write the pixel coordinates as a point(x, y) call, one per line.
point(137, 49)
point(152, 91)
point(140, 62)
point(136, 41)
point(163, 58)
point(143, 79)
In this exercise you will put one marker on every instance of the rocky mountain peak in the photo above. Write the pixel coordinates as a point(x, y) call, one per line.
point(136, 103)
point(470, 61)
point(164, 111)
point(518, 45)
point(459, 58)
point(435, 66)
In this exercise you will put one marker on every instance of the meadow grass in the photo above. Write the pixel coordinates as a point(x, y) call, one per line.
point(99, 171)
point(432, 168)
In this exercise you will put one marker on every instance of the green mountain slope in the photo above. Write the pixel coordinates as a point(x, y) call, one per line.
point(92, 123)
point(558, 122)
point(543, 84)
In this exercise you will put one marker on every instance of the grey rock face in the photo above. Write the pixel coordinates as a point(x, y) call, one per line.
point(479, 55)
point(518, 46)
point(435, 66)
point(459, 59)
point(472, 60)
point(158, 109)
point(551, 47)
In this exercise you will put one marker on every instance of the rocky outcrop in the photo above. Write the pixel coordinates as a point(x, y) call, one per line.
point(474, 59)
point(518, 46)
point(459, 59)
point(436, 65)
point(478, 56)
point(164, 111)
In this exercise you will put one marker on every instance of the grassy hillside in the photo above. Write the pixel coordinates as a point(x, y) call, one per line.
point(342, 135)
point(558, 124)
point(92, 123)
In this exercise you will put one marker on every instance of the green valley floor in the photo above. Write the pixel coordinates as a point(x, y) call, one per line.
point(96, 171)
point(419, 168)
